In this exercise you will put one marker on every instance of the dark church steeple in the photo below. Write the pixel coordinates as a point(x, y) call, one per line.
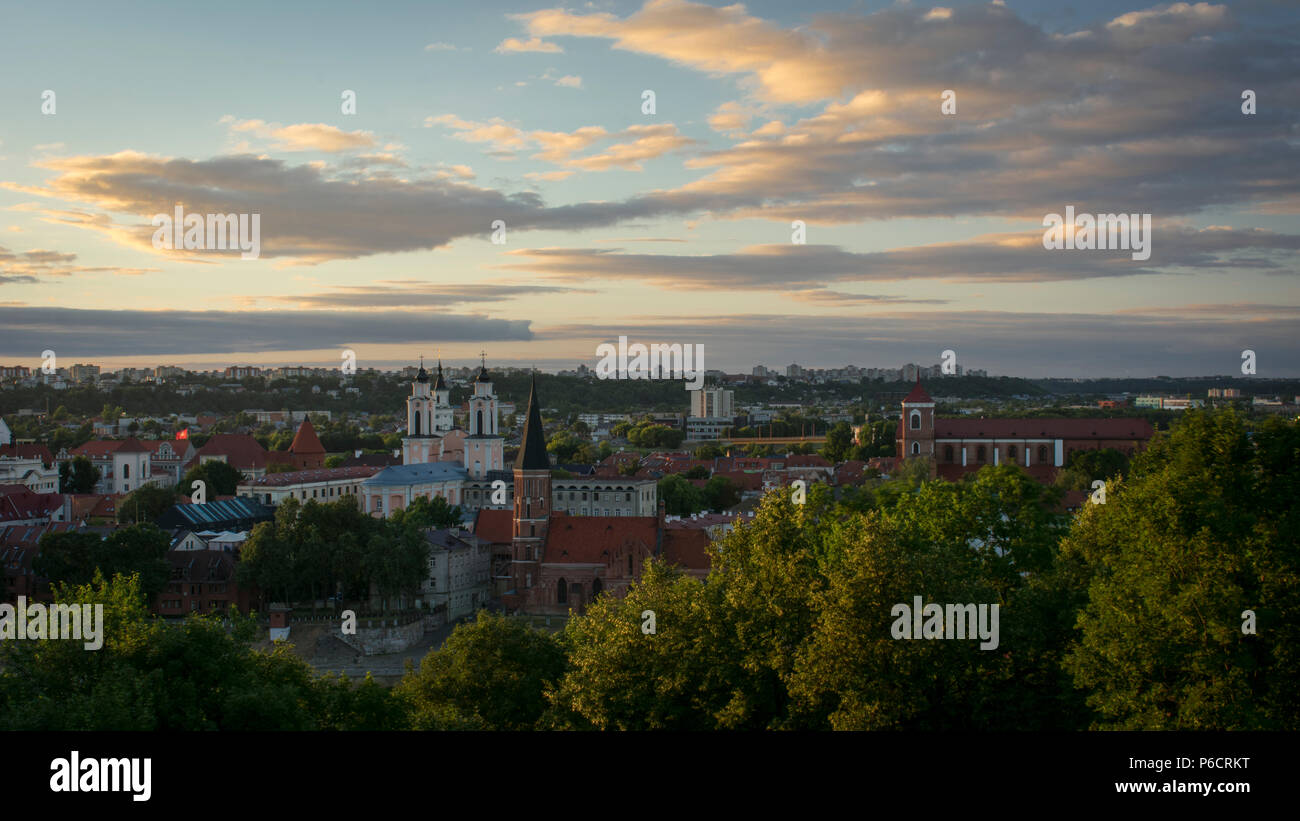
point(532, 447)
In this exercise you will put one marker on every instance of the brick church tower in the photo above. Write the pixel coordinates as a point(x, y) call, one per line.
point(532, 497)
point(916, 428)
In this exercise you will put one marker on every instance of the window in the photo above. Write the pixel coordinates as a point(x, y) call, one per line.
point(915, 420)
point(629, 564)
point(916, 448)
point(981, 455)
point(947, 453)
point(1011, 453)
point(561, 592)
point(1042, 453)
point(596, 587)
point(126, 471)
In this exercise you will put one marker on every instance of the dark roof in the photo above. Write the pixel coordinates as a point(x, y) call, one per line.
point(381, 460)
point(439, 383)
point(532, 451)
point(224, 514)
point(482, 375)
point(918, 393)
point(201, 565)
point(314, 475)
point(422, 375)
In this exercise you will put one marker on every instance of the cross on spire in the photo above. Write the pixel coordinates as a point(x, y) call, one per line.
point(482, 358)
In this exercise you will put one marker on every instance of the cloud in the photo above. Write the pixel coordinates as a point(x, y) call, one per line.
point(23, 267)
point(1008, 257)
point(1120, 109)
point(513, 44)
point(308, 213)
point(414, 295)
point(303, 136)
point(440, 47)
point(641, 142)
point(181, 333)
point(1038, 344)
point(569, 81)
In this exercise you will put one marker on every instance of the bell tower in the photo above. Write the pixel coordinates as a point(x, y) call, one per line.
point(484, 447)
point(532, 500)
point(916, 427)
point(422, 443)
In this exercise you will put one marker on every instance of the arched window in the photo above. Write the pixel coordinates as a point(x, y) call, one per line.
point(417, 424)
point(981, 455)
point(1011, 453)
point(478, 427)
point(1042, 454)
point(561, 592)
point(126, 471)
point(596, 587)
point(916, 420)
point(947, 453)
point(916, 448)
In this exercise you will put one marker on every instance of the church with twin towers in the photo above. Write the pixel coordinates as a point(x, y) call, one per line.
point(466, 467)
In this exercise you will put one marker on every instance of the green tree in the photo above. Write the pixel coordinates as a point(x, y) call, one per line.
point(78, 475)
point(708, 450)
point(221, 478)
point(622, 678)
point(491, 675)
point(146, 503)
point(839, 440)
point(424, 513)
point(680, 497)
point(1087, 466)
point(720, 493)
point(1204, 530)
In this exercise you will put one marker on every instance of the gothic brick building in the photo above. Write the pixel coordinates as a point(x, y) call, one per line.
point(1041, 446)
point(560, 562)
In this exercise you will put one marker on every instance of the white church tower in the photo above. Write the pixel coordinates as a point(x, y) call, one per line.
point(484, 447)
point(443, 419)
point(422, 442)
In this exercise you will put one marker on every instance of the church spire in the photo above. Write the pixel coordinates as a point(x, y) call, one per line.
point(532, 448)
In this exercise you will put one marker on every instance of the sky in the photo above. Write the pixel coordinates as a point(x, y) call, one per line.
point(921, 225)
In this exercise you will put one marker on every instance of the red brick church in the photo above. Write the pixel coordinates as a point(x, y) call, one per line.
point(1041, 446)
point(560, 562)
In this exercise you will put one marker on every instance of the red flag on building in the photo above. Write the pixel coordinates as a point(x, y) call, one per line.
point(185, 434)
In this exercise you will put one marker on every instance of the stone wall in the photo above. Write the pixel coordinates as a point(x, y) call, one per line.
point(373, 641)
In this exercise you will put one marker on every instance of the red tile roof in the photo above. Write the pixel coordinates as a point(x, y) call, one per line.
point(811, 460)
point(133, 445)
point(92, 505)
point(96, 448)
point(1045, 428)
point(21, 502)
point(241, 450)
point(306, 440)
point(495, 526)
point(918, 394)
point(686, 548)
point(592, 539)
point(28, 452)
